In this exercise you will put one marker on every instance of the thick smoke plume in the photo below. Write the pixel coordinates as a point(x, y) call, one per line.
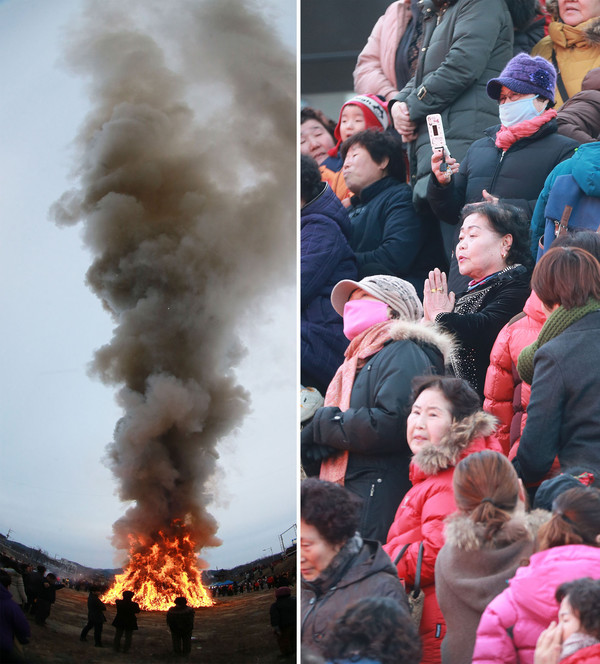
point(186, 195)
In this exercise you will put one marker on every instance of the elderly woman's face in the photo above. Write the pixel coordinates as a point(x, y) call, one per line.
point(315, 552)
point(360, 169)
point(315, 140)
point(507, 95)
point(429, 420)
point(574, 12)
point(480, 250)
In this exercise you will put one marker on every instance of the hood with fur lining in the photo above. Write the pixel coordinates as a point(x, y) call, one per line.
point(424, 333)
point(592, 26)
point(432, 459)
point(464, 533)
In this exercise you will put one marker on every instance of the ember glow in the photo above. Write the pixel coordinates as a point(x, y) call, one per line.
point(161, 570)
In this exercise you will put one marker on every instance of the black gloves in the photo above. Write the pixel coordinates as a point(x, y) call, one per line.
point(312, 453)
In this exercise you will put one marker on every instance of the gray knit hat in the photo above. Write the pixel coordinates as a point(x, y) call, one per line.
point(525, 75)
point(398, 294)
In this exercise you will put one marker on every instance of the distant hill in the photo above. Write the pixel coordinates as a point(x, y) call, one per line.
point(67, 569)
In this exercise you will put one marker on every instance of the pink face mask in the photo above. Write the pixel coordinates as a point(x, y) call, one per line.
point(359, 315)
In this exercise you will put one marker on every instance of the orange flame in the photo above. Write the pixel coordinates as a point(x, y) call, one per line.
point(161, 571)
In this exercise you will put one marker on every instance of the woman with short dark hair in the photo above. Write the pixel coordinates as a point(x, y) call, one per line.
point(563, 418)
point(337, 566)
point(374, 629)
point(388, 236)
point(493, 252)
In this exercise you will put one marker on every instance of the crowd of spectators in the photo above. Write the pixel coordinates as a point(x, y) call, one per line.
point(450, 307)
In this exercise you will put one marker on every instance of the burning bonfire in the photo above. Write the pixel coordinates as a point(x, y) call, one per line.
point(160, 571)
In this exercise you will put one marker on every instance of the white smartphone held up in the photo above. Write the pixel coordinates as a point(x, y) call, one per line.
point(437, 137)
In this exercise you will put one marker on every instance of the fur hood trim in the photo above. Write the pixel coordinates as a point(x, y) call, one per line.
point(432, 459)
point(522, 12)
point(463, 533)
point(552, 9)
point(424, 333)
point(592, 27)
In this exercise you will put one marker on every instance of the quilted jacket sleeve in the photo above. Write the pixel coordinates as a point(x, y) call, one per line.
point(464, 63)
point(494, 643)
point(499, 387)
point(373, 73)
point(427, 512)
point(323, 247)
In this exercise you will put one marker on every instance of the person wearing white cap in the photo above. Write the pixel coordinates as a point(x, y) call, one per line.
point(358, 438)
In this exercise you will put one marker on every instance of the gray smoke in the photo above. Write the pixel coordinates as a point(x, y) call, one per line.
point(186, 194)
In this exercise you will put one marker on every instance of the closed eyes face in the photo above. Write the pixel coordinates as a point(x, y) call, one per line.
point(480, 248)
point(568, 619)
point(315, 552)
point(360, 170)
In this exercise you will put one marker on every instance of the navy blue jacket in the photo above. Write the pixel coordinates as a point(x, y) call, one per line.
point(389, 237)
point(325, 259)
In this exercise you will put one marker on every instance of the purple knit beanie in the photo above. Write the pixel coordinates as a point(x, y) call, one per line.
point(525, 75)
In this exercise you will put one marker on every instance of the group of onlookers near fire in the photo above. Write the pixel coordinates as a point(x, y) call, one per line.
point(450, 325)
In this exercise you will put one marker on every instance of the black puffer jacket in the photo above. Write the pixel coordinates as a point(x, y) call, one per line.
point(351, 576)
point(373, 429)
point(516, 176)
point(387, 235)
point(478, 317)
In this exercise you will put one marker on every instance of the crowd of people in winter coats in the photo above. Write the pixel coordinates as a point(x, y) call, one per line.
point(450, 320)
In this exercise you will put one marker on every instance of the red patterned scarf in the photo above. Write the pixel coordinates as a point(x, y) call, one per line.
point(507, 136)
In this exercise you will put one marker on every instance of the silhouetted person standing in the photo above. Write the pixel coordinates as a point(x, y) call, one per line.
point(283, 620)
point(46, 598)
point(125, 620)
point(13, 624)
point(180, 619)
point(96, 617)
point(36, 583)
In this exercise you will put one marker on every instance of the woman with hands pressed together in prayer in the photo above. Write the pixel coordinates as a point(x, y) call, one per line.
point(493, 252)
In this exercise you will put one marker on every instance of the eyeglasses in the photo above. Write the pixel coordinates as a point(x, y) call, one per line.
point(512, 96)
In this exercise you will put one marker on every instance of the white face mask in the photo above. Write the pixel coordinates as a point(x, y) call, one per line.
point(513, 112)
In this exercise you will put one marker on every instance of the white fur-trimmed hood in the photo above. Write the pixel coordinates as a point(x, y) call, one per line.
point(463, 533)
point(427, 333)
point(431, 459)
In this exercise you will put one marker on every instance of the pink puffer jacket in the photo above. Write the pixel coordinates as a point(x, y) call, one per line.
point(375, 71)
point(511, 624)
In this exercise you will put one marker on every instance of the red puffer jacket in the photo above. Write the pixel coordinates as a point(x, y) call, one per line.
point(421, 515)
point(589, 655)
point(506, 396)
